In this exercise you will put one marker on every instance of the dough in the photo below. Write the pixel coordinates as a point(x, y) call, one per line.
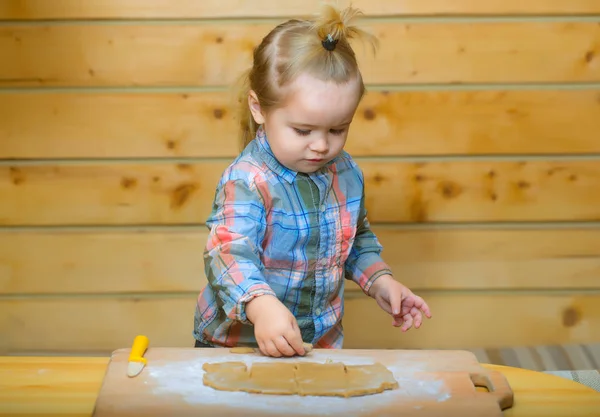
point(300, 378)
point(307, 348)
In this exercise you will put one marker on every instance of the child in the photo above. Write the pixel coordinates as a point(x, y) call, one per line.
point(288, 223)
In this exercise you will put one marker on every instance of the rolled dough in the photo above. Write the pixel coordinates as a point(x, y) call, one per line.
point(300, 378)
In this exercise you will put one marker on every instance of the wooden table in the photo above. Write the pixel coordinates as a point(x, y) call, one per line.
point(68, 386)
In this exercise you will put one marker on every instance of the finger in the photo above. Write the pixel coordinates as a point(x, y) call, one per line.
point(417, 317)
point(408, 321)
point(422, 305)
point(284, 347)
point(294, 340)
point(395, 302)
point(271, 349)
point(261, 347)
point(385, 306)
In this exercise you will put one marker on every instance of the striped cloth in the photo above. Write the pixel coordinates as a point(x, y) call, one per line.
point(577, 362)
point(589, 378)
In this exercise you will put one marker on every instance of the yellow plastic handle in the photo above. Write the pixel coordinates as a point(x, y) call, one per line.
point(140, 344)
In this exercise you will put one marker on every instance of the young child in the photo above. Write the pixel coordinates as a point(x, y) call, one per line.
point(288, 223)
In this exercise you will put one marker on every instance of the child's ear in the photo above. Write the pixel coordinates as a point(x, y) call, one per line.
point(255, 109)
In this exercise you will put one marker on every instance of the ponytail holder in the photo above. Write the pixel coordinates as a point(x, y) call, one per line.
point(329, 43)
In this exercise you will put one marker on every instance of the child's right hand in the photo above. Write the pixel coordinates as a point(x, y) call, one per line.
point(275, 327)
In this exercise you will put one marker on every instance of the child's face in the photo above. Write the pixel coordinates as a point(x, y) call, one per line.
point(311, 127)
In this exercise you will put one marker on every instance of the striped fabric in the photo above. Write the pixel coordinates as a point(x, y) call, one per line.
point(577, 362)
point(588, 378)
point(565, 357)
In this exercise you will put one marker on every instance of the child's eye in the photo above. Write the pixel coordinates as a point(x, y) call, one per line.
point(302, 132)
point(337, 131)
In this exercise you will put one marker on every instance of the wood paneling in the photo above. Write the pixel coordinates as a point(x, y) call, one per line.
point(162, 193)
point(108, 194)
point(93, 289)
point(171, 261)
point(160, 9)
point(459, 321)
point(479, 320)
point(100, 124)
point(211, 54)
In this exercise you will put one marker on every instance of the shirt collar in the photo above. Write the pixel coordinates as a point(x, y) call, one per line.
point(279, 169)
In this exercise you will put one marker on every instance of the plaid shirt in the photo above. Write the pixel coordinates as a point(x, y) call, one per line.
point(292, 235)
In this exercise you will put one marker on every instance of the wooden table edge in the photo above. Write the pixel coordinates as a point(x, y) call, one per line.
point(525, 383)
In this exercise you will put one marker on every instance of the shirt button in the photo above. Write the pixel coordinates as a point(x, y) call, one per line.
point(318, 311)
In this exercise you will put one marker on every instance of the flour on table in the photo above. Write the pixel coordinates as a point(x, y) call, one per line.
point(185, 379)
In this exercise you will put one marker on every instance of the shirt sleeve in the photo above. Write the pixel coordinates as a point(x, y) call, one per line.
point(365, 264)
point(232, 255)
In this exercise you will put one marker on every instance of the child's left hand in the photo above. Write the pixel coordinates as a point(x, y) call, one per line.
point(397, 300)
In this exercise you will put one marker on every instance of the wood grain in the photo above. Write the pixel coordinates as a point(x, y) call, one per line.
point(162, 193)
point(72, 125)
point(151, 261)
point(213, 55)
point(459, 321)
point(120, 194)
point(122, 125)
point(478, 320)
point(51, 386)
point(114, 9)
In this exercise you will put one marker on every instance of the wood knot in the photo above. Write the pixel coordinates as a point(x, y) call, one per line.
point(369, 114)
point(570, 317)
point(185, 96)
point(449, 189)
point(572, 177)
point(493, 196)
point(589, 56)
point(491, 174)
point(419, 178)
point(219, 39)
point(16, 175)
point(171, 144)
point(181, 194)
point(127, 182)
point(378, 178)
point(91, 72)
point(515, 113)
point(184, 167)
point(218, 113)
point(523, 185)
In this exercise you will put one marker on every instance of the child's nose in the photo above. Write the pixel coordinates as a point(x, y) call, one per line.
point(320, 145)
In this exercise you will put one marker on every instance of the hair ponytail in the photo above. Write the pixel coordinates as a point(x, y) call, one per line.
point(248, 126)
point(339, 26)
point(319, 47)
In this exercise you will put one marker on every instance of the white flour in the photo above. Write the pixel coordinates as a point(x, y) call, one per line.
point(185, 379)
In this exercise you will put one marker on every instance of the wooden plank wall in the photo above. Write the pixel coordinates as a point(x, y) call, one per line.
point(479, 138)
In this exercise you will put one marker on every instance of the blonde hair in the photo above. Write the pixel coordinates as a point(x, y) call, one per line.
point(318, 47)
